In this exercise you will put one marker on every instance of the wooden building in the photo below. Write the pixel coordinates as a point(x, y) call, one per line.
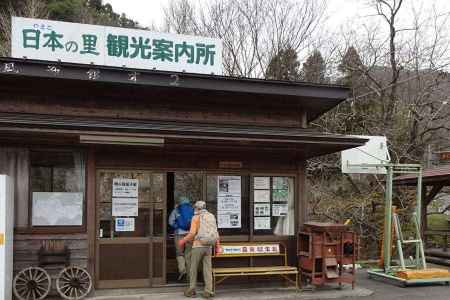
point(68, 130)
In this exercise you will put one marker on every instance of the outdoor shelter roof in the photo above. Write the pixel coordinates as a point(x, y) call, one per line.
point(308, 143)
point(430, 176)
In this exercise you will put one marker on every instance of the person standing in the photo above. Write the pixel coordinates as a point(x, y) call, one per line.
point(203, 233)
point(180, 220)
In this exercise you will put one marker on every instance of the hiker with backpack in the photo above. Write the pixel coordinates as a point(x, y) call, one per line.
point(204, 234)
point(180, 220)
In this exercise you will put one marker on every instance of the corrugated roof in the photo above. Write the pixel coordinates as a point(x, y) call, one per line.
point(435, 174)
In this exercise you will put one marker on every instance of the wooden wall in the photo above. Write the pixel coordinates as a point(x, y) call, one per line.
point(157, 107)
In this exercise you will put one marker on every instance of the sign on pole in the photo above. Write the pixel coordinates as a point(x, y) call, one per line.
point(361, 159)
point(114, 46)
point(6, 237)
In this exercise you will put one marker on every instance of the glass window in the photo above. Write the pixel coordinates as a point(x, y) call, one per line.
point(57, 188)
point(228, 198)
point(188, 185)
point(273, 205)
point(125, 212)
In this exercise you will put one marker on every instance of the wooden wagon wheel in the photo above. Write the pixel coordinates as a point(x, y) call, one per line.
point(32, 284)
point(73, 283)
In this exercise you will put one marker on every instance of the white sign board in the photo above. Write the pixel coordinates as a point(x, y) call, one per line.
point(125, 207)
point(375, 151)
point(6, 237)
point(114, 46)
point(229, 201)
point(279, 209)
point(261, 209)
point(124, 224)
point(261, 223)
point(261, 195)
point(261, 183)
point(57, 209)
point(125, 188)
point(250, 249)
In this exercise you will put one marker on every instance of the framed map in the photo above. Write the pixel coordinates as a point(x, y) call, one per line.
point(57, 209)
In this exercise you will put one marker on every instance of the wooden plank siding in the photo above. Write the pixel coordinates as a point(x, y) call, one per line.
point(140, 108)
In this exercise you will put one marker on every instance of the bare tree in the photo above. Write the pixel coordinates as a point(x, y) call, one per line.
point(397, 72)
point(252, 31)
point(179, 17)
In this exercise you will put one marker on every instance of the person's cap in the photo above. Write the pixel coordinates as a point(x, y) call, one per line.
point(200, 205)
point(184, 199)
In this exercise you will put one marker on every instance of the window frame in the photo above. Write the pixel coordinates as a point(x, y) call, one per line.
point(60, 229)
point(244, 206)
point(256, 234)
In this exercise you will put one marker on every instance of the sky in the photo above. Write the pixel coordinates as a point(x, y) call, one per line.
point(148, 12)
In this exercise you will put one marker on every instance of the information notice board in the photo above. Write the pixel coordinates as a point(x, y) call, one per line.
point(229, 202)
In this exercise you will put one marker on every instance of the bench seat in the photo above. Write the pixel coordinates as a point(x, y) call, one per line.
point(256, 270)
point(254, 249)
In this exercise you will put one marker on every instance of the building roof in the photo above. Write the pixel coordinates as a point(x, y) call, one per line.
point(440, 174)
point(315, 99)
point(67, 81)
point(308, 142)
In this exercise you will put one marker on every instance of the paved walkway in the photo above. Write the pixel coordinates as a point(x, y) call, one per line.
point(366, 289)
point(252, 292)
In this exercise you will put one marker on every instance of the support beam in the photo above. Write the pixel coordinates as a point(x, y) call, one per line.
point(90, 211)
point(302, 202)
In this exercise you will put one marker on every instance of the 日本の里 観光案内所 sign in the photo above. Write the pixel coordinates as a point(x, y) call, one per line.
point(114, 46)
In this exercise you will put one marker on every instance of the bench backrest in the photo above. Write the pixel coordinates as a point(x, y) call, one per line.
point(252, 249)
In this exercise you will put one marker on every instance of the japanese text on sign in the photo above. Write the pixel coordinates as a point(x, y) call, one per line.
point(250, 249)
point(102, 45)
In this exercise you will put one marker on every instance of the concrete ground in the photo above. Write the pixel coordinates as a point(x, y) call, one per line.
point(388, 291)
point(366, 289)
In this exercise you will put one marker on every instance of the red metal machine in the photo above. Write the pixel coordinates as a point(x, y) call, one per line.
point(323, 250)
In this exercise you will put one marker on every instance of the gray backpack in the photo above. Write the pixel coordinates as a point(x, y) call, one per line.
point(207, 233)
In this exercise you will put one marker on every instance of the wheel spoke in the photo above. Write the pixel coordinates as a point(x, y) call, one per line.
point(41, 288)
point(40, 276)
point(28, 294)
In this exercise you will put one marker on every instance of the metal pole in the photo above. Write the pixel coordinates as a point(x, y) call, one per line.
point(388, 220)
point(419, 217)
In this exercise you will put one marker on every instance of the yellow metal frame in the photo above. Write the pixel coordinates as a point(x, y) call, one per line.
point(259, 271)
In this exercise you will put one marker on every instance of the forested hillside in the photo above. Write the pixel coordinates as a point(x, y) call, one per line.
point(81, 11)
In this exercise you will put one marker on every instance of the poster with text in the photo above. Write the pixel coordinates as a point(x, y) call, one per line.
point(125, 207)
point(261, 195)
point(279, 209)
point(124, 224)
point(229, 202)
point(125, 188)
point(261, 223)
point(261, 183)
point(261, 209)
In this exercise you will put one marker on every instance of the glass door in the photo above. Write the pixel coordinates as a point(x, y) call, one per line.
point(131, 222)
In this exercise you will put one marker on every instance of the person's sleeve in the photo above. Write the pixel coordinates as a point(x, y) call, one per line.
point(172, 218)
point(193, 230)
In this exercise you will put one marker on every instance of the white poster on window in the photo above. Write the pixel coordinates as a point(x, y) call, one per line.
point(125, 207)
point(261, 195)
point(261, 209)
point(57, 209)
point(124, 224)
point(229, 221)
point(261, 223)
point(261, 183)
point(279, 209)
point(229, 202)
point(125, 188)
